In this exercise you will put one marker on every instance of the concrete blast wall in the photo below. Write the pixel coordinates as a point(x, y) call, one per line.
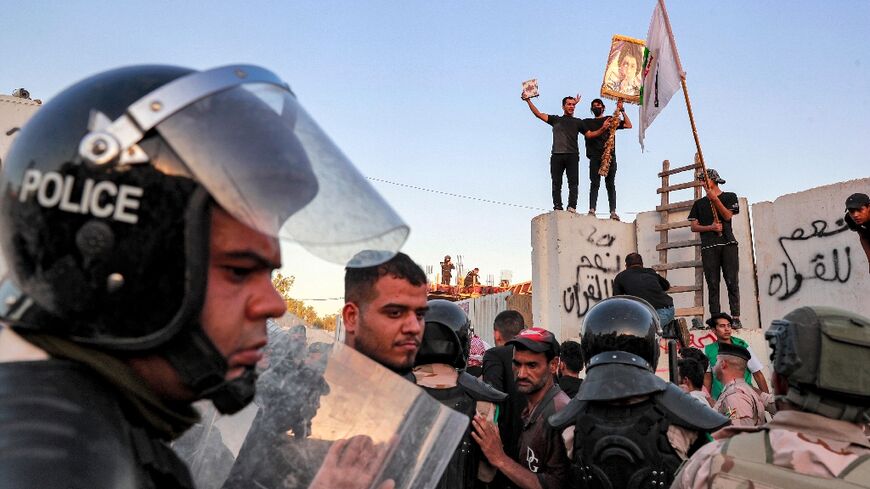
point(482, 312)
point(648, 238)
point(575, 258)
point(14, 112)
point(806, 255)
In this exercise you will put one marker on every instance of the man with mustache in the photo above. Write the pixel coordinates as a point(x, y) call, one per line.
point(542, 460)
point(384, 312)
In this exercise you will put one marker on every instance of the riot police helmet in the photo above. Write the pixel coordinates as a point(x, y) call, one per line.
point(822, 352)
point(621, 323)
point(107, 192)
point(442, 313)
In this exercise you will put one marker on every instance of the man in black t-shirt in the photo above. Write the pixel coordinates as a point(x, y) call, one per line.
point(858, 219)
point(596, 137)
point(718, 245)
point(647, 284)
point(565, 157)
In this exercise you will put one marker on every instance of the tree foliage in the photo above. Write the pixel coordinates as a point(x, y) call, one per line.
point(306, 313)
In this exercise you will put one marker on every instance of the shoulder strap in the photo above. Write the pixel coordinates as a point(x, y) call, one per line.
point(857, 472)
point(752, 447)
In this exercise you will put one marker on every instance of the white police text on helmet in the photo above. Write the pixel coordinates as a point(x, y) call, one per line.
point(98, 198)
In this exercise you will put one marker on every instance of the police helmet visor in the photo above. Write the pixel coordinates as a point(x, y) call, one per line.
point(266, 161)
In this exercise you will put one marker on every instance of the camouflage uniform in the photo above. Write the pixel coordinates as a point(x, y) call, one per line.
point(741, 404)
point(803, 442)
point(822, 381)
point(446, 272)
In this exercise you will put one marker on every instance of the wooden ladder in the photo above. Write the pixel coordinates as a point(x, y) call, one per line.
point(667, 224)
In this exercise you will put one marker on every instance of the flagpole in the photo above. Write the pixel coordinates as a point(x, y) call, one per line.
point(688, 103)
point(692, 121)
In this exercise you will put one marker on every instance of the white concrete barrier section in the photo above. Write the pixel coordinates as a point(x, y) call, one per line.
point(482, 312)
point(806, 255)
point(575, 258)
point(14, 112)
point(648, 238)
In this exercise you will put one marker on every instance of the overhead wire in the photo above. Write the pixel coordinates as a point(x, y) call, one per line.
point(462, 196)
point(452, 194)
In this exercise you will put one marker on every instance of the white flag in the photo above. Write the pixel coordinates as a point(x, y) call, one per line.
point(661, 69)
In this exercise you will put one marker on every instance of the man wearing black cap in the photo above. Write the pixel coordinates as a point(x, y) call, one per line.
point(542, 459)
point(858, 219)
point(738, 401)
point(718, 245)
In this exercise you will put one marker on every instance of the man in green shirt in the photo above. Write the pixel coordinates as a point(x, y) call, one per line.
point(721, 324)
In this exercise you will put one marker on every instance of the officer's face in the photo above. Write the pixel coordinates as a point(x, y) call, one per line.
point(240, 296)
point(389, 328)
point(532, 370)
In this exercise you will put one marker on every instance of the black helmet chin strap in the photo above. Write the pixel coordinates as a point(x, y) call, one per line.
point(201, 366)
point(203, 369)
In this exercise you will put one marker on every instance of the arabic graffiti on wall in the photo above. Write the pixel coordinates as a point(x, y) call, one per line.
point(697, 339)
point(808, 254)
point(593, 277)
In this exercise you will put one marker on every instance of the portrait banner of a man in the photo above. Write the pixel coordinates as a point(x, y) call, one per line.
point(622, 76)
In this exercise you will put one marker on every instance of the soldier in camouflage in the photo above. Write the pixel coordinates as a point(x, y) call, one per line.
point(822, 382)
point(738, 401)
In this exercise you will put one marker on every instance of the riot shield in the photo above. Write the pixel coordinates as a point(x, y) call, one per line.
point(325, 417)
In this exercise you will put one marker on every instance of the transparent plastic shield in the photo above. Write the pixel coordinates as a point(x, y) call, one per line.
point(266, 161)
point(325, 417)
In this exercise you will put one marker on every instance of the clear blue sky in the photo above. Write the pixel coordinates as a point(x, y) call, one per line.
point(427, 94)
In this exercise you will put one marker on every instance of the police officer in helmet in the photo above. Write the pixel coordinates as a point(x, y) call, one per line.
point(440, 370)
point(631, 428)
point(821, 379)
point(140, 217)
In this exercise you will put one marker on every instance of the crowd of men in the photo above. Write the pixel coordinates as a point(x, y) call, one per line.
point(140, 217)
point(623, 426)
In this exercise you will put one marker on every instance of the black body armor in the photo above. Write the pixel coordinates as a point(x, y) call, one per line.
point(620, 445)
point(461, 472)
point(623, 446)
point(60, 418)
